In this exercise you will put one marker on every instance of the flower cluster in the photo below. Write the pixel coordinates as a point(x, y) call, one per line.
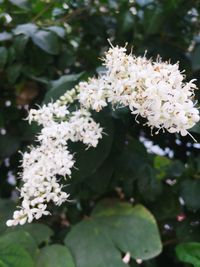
point(153, 90)
point(46, 163)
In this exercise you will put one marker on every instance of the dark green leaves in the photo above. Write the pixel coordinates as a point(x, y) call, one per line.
point(6, 209)
point(13, 72)
point(55, 256)
point(8, 145)
point(60, 86)
point(28, 29)
point(190, 191)
point(189, 253)
point(24, 4)
point(47, 41)
point(57, 30)
point(94, 157)
point(5, 36)
point(196, 58)
point(114, 225)
point(3, 56)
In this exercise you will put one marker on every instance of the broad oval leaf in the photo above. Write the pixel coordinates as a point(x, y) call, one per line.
point(47, 41)
point(14, 255)
point(114, 226)
point(189, 253)
point(132, 229)
point(20, 238)
point(39, 232)
point(28, 29)
point(55, 256)
point(91, 247)
point(60, 31)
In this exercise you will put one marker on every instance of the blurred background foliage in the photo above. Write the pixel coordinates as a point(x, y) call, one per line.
point(46, 47)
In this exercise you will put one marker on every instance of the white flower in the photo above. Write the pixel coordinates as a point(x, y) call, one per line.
point(92, 93)
point(153, 90)
point(50, 159)
point(48, 113)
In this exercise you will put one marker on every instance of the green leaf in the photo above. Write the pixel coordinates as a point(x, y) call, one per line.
point(93, 156)
point(60, 86)
point(189, 253)
point(148, 185)
point(196, 58)
point(176, 168)
point(24, 4)
point(47, 41)
point(188, 231)
point(132, 229)
point(55, 256)
point(40, 232)
point(91, 247)
point(100, 180)
point(11, 55)
point(60, 31)
point(13, 255)
point(13, 72)
point(161, 164)
point(19, 44)
point(114, 225)
point(131, 160)
point(6, 210)
point(190, 191)
point(166, 207)
point(28, 29)
point(22, 239)
point(195, 128)
point(153, 21)
point(3, 56)
point(5, 36)
point(127, 21)
point(8, 145)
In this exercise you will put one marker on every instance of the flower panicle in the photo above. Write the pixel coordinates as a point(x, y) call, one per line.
point(154, 90)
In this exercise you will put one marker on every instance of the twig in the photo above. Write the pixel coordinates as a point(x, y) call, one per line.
point(169, 242)
point(42, 12)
